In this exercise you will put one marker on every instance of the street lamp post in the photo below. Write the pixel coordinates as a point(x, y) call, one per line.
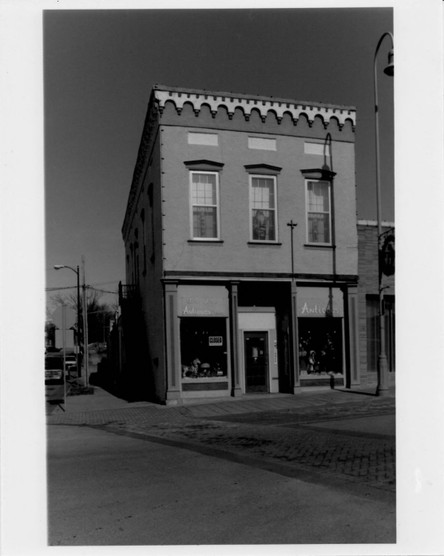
point(382, 386)
point(292, 225)
point(294, 317)
point(76, 270)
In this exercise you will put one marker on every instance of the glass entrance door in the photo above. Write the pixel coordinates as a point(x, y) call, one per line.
point(256, 361)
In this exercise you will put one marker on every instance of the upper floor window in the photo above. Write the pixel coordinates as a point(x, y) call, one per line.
point(318, 204)
point(263, 215)
point(205, 205)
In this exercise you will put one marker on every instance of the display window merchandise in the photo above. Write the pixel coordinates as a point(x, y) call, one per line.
point(203, 347)
point(320, 346)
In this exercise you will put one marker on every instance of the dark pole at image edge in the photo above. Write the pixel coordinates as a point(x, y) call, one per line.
point(382, 386)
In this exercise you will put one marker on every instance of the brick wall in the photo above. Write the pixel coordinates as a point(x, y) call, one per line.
point(368, 285)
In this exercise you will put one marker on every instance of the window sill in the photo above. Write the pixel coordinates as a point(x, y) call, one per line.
point(268, 243)
point(205, 379)
point(319, 245)
point(205, 241)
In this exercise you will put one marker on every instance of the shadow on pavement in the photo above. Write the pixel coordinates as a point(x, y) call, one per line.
point(122, 391)
point(363, 393)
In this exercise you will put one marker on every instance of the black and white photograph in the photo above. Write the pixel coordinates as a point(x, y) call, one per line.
point(227, 315)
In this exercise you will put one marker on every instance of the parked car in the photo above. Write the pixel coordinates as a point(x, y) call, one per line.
point(70, 363)
point(51, 349)
point(54, 379)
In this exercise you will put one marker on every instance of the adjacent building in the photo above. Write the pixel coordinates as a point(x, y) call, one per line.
point(241, 247)
point(368, 267)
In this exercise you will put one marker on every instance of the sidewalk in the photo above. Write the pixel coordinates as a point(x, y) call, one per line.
point(103, 408)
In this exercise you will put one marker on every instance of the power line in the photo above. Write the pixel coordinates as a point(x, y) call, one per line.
point(89, 286)
point(60, 288)
point(105, 283)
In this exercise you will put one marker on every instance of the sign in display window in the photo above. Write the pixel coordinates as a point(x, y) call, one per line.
point(203, 348)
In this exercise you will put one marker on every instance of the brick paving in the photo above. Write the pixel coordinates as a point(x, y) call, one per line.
point(369, 458)
point(295, 432)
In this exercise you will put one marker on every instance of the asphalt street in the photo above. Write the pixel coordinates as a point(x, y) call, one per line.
point(270, 470)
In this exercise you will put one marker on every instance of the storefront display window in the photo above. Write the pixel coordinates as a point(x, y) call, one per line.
point(320, 345)
point(203, 347)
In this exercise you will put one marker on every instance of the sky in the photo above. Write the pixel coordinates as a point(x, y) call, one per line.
point(100, 65)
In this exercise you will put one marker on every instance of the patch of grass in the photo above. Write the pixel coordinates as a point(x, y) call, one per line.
point(76, 388)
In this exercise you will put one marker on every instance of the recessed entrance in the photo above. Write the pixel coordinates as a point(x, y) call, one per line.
point(256, 361)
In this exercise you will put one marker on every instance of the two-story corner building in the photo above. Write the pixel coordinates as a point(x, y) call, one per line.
point(234, 299)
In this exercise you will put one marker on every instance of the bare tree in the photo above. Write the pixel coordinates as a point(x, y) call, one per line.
point(99, 314)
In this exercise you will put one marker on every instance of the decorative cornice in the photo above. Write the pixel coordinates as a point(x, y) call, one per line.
point(142, 161)
point(208, 275)
point(203, 165)
point(268, 168)
point(323, 173)
point(248, 103)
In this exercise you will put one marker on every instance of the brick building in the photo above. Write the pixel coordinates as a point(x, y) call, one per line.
point(369, 302)
point(223, 296)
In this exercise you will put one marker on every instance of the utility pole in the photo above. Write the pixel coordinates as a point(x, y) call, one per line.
point(79, 366)
point(85, 323)
point(64, 349)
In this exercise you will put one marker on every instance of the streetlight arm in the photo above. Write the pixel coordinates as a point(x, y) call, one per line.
point(375, 59)
point(60, 266)
point(327, 143)
point(375, 84)
point(387, 33)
